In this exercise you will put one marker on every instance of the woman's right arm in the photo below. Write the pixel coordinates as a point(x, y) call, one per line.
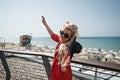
point(47, 26)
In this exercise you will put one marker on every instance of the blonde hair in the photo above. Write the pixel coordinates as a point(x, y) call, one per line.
point(74, 32)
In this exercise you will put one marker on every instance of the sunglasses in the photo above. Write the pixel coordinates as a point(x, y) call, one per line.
point(65, 34)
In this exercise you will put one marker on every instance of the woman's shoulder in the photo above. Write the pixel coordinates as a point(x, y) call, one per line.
point(56, 37)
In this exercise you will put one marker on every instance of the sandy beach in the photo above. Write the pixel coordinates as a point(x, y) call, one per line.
point(86, 53)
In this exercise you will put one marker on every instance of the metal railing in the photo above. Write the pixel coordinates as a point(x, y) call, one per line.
point(75, 63)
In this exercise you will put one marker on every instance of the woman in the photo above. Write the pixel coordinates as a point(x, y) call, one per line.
point(61, 69)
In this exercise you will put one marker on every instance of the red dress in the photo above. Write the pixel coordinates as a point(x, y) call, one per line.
point(56, 73)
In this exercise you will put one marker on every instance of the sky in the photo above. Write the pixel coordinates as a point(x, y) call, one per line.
point(93, 17)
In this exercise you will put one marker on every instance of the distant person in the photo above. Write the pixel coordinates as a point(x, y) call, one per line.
point(27, 43)
point(61, 69)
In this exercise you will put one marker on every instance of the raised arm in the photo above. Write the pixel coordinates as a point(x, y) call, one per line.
point(47, 26)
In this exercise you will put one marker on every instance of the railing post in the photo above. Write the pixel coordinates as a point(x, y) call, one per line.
point(95, 74)
point(5, 65)
point(46, 63)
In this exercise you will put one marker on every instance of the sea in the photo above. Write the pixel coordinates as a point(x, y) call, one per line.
point(107, 43)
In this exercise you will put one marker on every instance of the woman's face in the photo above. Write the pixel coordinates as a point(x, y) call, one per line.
point(65, 35)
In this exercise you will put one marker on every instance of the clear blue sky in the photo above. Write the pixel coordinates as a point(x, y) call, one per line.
point(93, 17)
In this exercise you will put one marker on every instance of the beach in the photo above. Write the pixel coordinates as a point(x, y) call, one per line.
point(23, 70)
point(86, 53)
